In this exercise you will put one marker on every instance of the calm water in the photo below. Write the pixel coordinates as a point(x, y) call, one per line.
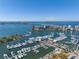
point(12, 29)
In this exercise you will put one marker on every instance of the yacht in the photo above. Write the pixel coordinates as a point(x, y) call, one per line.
point(6, 56)
point(26, 35)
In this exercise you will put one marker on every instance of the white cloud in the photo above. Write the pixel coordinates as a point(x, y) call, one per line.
point(23, 18)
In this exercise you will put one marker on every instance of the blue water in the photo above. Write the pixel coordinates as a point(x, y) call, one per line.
point(12, 29)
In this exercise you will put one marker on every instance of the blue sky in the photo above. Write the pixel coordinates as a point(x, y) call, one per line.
point(39, 10)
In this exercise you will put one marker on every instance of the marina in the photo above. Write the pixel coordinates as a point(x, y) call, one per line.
point(39, 29)
point(40, 44)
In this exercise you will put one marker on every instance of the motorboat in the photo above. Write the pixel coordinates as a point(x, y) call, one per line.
point(26, 35)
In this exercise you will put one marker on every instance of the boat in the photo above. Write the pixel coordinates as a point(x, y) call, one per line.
point(16, 45)
point(6, 56)
point(26, 35)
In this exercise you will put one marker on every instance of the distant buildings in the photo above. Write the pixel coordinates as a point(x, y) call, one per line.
point(56, 27)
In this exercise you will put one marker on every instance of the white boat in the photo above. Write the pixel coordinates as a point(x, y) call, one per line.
point(26, 35)
point(6, 56)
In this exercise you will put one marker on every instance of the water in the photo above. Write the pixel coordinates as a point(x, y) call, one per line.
point(18, 28)
point(7, 29)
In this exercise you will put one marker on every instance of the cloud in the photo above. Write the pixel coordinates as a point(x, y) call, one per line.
point(24, 18)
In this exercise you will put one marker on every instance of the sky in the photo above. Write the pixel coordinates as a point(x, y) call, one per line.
point(39, 10)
